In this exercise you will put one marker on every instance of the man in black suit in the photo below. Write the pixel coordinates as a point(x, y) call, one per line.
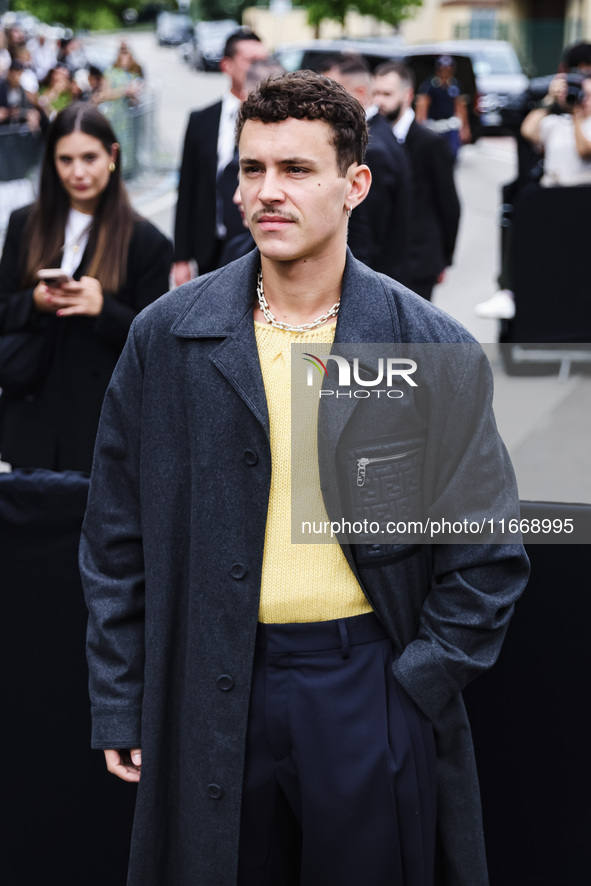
point(379, 228)
point(435, 208)
point(201, 226)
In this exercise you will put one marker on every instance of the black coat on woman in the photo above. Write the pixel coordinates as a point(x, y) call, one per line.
point(55, 425)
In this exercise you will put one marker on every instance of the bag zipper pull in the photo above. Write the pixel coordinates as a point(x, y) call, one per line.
point(361, 466)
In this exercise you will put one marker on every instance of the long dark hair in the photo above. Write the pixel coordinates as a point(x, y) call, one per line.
point(112, 225)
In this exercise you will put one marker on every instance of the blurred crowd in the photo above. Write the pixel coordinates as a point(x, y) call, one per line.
point(41, 73)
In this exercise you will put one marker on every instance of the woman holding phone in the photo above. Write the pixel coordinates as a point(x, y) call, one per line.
point(76, 268)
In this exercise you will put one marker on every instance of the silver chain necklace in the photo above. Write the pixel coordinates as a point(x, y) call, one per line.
point(304, 327)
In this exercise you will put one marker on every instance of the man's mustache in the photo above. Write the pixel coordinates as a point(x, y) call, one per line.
point(261, 213)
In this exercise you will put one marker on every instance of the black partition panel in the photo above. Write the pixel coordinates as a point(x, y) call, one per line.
point(529, 718)
point(66, 819)
point(69, 821)
point(549, 265)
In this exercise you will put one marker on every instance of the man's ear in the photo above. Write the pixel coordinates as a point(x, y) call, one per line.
point(359, 184)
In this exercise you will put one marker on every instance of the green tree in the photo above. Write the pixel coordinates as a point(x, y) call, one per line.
point(210, 10)
point(390, 11)
point(76, 13)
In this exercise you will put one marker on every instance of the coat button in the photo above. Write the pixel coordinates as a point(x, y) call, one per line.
point(225, 682)
point(214, 791)
point(250, 457)
point(238, 571)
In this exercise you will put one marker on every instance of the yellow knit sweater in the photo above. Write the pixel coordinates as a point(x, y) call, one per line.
point(300, 582)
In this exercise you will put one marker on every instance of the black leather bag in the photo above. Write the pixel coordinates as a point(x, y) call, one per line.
point(25, 356)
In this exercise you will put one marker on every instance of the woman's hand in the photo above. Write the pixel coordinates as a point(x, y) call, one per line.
point(82, 297)
point(556, 90)
point(42, 299)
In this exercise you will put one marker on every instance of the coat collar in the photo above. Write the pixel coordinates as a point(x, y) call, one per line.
point(225, 298)
point(222, 308)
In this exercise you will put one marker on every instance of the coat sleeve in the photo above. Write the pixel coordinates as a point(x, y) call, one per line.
point(16, 304)
point(188, 187)
point(112, 563)
point(148, 270)
point(474, 587)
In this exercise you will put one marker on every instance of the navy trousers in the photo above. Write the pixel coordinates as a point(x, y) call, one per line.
point(340, 774)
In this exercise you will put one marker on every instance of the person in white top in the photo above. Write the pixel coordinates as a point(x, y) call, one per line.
point(561, 129)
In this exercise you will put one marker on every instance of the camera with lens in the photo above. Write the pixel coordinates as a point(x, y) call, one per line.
point(573, 96)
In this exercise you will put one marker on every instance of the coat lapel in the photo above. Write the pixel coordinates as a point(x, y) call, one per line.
point(366, 316)
point(223, 309)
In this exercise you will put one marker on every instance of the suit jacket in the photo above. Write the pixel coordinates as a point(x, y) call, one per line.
point(55, 427)
point(183, 458)
point(379, 227)
point(195, 233)
point(435, 208)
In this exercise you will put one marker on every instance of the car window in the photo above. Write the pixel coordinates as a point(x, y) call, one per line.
point(495, 61)
point(291, 59)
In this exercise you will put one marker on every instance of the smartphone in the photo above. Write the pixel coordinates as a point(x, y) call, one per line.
point(53, 276)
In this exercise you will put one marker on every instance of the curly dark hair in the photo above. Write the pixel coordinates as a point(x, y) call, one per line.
point(305, 95)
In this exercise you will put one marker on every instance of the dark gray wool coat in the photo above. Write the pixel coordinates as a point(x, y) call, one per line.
point(171, 556)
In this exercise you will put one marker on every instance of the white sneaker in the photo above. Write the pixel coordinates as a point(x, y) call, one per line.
point(500, 306)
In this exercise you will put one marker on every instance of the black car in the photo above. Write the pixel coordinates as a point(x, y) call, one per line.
point(173, 29)
point(498, 73)
point(420, 59)
point(207, 44)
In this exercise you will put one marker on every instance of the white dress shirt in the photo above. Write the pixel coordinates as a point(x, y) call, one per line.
point(226, 147)
point(227, 130)
point(402, 125)
point(75, 240)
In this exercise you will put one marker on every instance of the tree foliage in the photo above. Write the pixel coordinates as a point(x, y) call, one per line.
point(390, 11)
point(76, 13)
point(209, 10)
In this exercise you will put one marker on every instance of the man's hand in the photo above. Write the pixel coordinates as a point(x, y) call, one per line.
point(181, 272)
point(125, 764)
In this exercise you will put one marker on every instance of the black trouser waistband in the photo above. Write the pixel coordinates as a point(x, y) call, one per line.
point(315, 636)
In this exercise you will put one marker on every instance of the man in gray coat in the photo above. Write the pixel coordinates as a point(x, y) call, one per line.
point(293, 712)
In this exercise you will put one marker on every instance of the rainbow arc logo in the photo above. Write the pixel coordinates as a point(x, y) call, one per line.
point(315, 361)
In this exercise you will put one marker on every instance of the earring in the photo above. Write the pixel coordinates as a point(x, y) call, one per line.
point(112, 166)
point(349, 211)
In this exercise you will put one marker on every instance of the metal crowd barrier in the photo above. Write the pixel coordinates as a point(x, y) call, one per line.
point(135, 128)
point(20, 151)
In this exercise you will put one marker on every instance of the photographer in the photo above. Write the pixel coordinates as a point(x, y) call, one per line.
point(553, 149)
point(561, 128)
